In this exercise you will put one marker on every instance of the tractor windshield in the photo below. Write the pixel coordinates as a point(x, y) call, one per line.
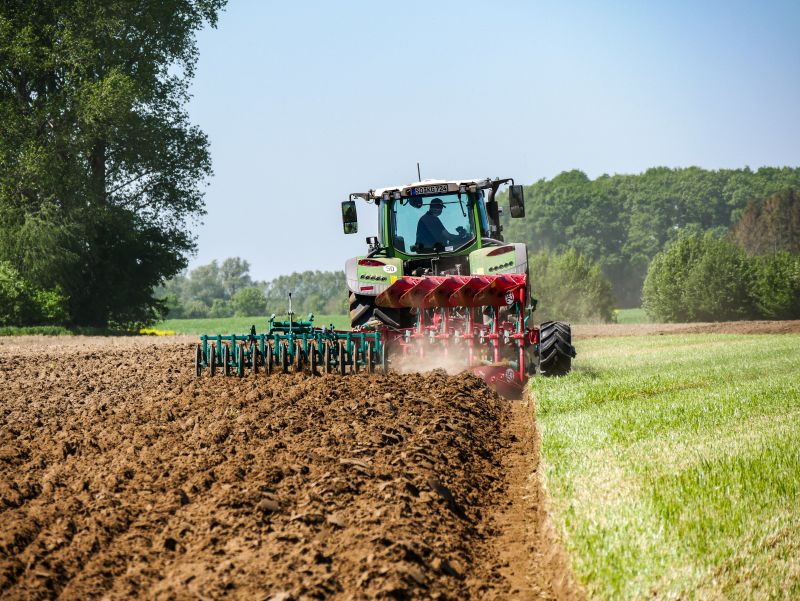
point(433, 224)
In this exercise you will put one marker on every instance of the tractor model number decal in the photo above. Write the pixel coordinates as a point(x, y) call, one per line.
point(437, 189)
point(390, 268)
point(509, 298)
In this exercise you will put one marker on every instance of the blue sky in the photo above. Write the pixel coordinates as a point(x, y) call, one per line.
point(304, 102)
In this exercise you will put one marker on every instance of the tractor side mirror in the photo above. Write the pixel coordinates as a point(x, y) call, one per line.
point(516, 201)
point(349, 217)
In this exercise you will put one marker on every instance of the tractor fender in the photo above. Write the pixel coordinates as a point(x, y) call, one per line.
point(494, 260)
point(369, 276)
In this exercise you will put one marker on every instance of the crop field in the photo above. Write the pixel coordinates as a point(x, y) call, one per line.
point(669, 468)
point(673, 464)
point(123, 475)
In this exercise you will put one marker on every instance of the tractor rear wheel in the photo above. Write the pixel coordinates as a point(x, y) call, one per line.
point(555, 348)
point(363, 310)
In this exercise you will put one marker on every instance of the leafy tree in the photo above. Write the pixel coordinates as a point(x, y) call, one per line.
point(220, 308)
point(24, 304)
point(570, 286)
point(195, 309)
point(770, 225)
point(99, 165)
point(312, 291)
point(622, 221)
point(719, 283)
point(235, 274)
point(776, 285)
point(700, 277)
point(204, 284)
point(249, 302)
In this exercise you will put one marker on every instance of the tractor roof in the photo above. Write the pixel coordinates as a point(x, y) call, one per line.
point(429, 186)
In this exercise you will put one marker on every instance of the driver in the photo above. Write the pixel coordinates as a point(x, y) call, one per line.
point(430, 230)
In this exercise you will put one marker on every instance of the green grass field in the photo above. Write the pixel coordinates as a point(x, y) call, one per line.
point(631, 316)
point(240, 325)
point(673, 464)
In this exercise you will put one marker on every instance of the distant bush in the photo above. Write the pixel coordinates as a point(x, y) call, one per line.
point(776, 286)
point(195, 309)
point(706, 277)
point(570, 287)
point(23, 304)
point(249, 302)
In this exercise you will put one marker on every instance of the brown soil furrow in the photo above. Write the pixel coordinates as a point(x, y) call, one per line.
point(151, 483)
point(527, 554)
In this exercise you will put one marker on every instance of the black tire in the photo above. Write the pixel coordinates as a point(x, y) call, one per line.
point(555, 348)
point(363, 310)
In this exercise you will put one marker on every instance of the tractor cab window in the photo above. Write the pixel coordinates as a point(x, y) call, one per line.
point(433, 224)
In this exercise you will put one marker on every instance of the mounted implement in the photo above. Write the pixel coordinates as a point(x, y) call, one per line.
point(438, 287)
point(289, 345)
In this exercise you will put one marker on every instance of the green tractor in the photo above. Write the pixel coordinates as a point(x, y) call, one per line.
point(435, 229)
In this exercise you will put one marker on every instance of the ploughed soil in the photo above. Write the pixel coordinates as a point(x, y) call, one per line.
point(122, 475)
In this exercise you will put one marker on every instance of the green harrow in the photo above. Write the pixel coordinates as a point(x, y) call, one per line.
point(295, 345)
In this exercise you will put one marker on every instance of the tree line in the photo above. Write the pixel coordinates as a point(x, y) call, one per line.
point(225, 289)
point(752, 272)
point(621, 222)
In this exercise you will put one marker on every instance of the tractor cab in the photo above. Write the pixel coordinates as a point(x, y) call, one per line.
point(431, 227)
point(435, 217)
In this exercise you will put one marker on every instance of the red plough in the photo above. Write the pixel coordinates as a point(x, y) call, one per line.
point(478, 321)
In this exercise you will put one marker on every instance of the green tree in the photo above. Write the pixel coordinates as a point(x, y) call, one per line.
point(24, 304)
point(99, 165)
point(249, 302)
point(204, 284)
point(235, 274)
point(700, 277)
point(776, 285)
point(220, 308)
point(622, 221)
point(770, 225)
point(570, 286)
